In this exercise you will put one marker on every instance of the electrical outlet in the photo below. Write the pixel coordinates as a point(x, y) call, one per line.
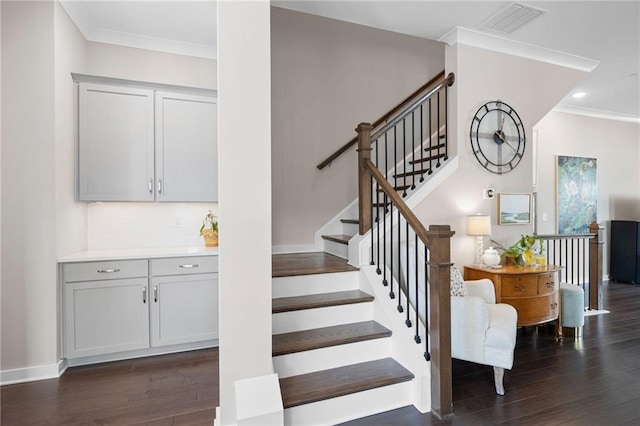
point(178, 221)
point(488, 193)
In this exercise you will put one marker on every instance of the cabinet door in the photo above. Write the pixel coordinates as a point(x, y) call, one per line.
point(103, 317)
point(116, 143)
point(184, 309)
point(186, 148)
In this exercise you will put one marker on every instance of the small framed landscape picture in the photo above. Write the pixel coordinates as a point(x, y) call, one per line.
point(514, 209)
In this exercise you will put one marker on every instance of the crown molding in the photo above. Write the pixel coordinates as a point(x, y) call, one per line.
point(461, 35)
point(92, 33)
point(596, 113)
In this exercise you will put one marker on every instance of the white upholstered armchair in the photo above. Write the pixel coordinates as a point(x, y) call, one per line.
point(482, 331)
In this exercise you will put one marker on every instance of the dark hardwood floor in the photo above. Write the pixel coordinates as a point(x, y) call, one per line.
point(177, 389)
point(591, 381)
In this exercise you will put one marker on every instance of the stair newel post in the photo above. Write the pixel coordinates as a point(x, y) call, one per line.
point(364, 176)
point(596, 244)
point(440, 319)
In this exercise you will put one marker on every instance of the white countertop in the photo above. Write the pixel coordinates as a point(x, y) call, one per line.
point(141, 253)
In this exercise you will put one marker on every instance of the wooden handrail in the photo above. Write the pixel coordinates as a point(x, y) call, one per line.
point(434, 81)
point(396, 199)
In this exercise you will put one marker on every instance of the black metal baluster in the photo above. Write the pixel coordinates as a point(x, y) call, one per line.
point(404, 158)
point(446, 123)
point(384, 215)
point(378, 271)
point(408, 282)
point(413, 151)
point(421, 144)
point(584, 260)
point(427, 355)
point(438, 124)
point(417, 299)
point(430, 120)
point(371, 262)
point(391, 293)
point(399, 307)
point(560, 262)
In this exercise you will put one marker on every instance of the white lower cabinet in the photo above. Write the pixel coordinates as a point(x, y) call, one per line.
point(113, 309)
point(181, 309)
point(104, 317)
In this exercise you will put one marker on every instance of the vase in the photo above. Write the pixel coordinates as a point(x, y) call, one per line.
point(491, 257)
point(210, 238)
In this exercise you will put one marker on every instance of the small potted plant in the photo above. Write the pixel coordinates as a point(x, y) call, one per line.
point(209, 230)
point(523, 251)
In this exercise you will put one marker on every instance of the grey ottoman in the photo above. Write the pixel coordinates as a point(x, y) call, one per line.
point(571, 308)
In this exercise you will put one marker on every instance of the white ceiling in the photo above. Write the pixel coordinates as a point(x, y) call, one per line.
point(605, 31)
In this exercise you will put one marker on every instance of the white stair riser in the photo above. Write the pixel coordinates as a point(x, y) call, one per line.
point(336, 249)
point(350, 407)
point(350, 229)
point(286, 322)
point(301, 285)
point(331, 357)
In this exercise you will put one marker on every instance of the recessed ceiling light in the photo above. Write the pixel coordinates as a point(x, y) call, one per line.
point(579, 95)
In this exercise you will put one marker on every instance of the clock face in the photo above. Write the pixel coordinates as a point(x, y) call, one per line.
point(497, 137)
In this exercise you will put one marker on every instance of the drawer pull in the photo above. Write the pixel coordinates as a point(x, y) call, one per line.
point(522, 287)
point(189, 265)
point(550, 285)
point(155, 293)
point(144, 294)
point(553, 305)
point(108, 271)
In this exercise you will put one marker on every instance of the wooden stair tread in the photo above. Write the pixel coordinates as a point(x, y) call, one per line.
point(422, 160)
point(342, 239)
point(321, 385)
point(397, 188)
point(322, 300)
point(352, 221)
point(431, 148)
point(413, 172)
point(306, 340)
point(293, 264)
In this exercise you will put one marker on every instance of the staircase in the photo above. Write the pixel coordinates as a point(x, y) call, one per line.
point(340, 349)
point(332, 355)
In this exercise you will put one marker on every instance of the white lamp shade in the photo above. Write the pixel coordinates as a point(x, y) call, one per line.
point(479, 225)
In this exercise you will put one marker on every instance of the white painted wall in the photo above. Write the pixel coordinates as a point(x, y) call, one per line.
point(28, 186)
point(529, 86)
point(616, 146)
point(70, 49)
point(328, 76)
point(244, 143)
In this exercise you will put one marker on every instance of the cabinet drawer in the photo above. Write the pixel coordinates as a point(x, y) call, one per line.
point(547, 284)
point(519, 285)
point(184, 265)
point(535, 310)
point(105, 270)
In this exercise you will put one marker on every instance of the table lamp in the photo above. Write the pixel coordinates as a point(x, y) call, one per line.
point(479, 225)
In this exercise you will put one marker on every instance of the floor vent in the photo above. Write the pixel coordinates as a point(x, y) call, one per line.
point(511, 18)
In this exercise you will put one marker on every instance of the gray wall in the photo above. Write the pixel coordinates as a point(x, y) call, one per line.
point(327, 76)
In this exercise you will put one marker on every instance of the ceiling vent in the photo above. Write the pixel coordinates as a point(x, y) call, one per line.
point(511, 18)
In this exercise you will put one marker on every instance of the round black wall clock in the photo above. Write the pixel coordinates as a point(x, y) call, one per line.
point(497, 137)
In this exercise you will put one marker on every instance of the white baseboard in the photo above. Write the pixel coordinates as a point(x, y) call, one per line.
point(31, 374)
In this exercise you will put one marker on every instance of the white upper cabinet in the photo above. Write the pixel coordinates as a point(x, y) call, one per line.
point(116, 143)
point(146, 143)
point(186, 149)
